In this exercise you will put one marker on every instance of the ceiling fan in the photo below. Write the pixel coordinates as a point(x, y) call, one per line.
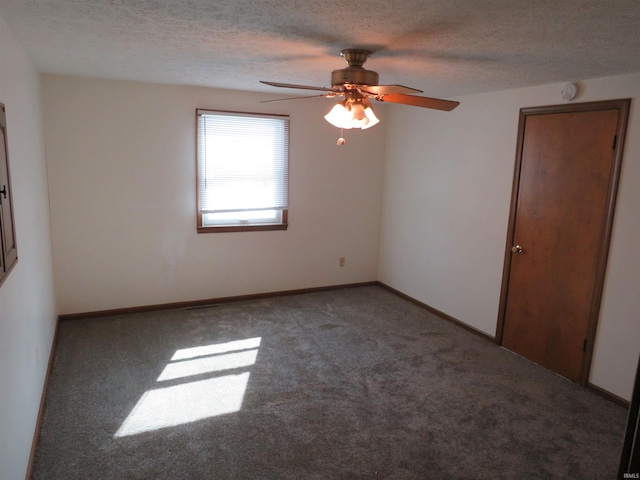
point(358, 85)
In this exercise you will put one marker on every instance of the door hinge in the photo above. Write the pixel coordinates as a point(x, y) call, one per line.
point(584, 345)
point(615, 141)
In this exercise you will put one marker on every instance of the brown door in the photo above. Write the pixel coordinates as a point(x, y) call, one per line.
point(564, 192)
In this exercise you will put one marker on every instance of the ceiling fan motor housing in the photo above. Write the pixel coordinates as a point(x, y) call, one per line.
point(354, 75)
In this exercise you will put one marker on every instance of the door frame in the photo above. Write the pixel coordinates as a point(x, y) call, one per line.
point(623, 106)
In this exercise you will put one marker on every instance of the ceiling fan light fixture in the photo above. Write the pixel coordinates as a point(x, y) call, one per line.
point(352, 114)
point(339, 116)
point(373, 120)
point(358, 117)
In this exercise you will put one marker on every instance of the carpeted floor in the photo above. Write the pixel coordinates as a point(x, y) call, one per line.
point(348, 384)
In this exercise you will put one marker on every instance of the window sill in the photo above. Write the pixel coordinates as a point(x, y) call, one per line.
point(242, 228)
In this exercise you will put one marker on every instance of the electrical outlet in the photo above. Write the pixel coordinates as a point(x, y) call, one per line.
point(342, 261)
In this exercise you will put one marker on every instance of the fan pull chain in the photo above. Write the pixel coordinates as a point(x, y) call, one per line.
point(341, 140)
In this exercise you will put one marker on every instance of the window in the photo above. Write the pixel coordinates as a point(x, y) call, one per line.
point(243, 164)
point(8, 250)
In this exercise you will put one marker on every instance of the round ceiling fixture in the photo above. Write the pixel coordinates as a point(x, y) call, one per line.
point(569, 92)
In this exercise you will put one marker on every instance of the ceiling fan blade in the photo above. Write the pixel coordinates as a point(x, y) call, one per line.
point(303, 87)
point(324, 95)
point(426, 102)
point(389, 89)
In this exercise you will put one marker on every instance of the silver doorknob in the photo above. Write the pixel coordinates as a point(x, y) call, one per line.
point(516, 249)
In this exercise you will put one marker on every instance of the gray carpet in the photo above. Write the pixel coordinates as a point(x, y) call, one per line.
point(348, 384)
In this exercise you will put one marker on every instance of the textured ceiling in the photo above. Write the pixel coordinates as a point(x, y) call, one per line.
point(444, 47)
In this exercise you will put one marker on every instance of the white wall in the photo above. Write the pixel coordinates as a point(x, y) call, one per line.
point(27, 304)
point(448, 181)
point(121, 158)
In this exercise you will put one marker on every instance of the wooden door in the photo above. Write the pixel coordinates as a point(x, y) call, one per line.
point(567, 170)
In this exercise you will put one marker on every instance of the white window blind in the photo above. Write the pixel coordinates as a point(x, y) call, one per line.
point(242, 162)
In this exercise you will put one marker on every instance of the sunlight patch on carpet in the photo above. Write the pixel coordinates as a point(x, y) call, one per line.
point(217, 363)
point(188, 402)
point(217, 348)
